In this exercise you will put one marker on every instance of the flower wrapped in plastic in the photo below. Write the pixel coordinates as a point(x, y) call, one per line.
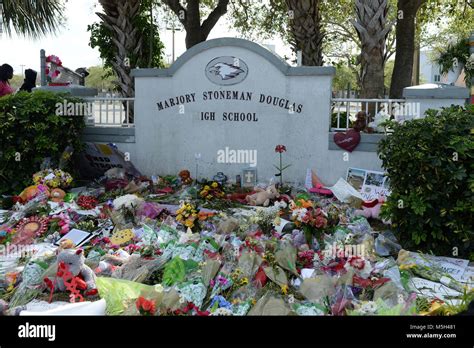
point(53, 178)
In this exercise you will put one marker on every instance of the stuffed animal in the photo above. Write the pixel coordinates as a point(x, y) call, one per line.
point(360, 123)
point(379, 119)
point(185, 177)
point(262, 197)
point(74, 261)
point(371, 209)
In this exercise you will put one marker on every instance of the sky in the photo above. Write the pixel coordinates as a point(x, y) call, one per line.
point(71, 42)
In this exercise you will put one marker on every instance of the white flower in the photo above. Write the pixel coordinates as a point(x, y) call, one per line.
point(368, 307)
point(159, 288)
point(182, 299)
point(222, 312)
point(291, 299)
point(126, 201)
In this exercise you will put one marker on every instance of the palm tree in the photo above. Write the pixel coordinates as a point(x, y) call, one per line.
point(373, 27)
point(118, 17)
point(31, 18)
point(306, 34)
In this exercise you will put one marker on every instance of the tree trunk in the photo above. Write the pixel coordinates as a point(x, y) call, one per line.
point(118, 17)
point(372, 26)
point(404, 58)
point(306, 30)
point(190, 18)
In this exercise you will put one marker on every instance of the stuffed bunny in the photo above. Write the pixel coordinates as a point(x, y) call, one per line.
point(263, 197)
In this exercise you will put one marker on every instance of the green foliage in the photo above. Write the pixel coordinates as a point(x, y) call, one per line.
point(430, 165)
point(101, 38)
point(100, 78)
point(32, 18)
point(30, 130)
point(344, 76)
point(342, 120)
point(454, 54)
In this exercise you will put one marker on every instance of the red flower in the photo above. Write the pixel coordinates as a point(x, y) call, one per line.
point(87, 202)
point(146, 307)
point(357, 262)
point(320, 222)
point(280, 148)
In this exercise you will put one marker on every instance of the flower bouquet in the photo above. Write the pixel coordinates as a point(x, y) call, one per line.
point(145, 307)
point(53, 178)
point(188, 215)
point(313, 220)
point(211, 191)
point(51, 70)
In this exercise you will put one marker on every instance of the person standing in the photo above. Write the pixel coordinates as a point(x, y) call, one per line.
point(6, 74)
point(30, 80)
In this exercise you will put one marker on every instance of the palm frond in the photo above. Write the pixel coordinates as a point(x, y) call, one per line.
point(32, 18)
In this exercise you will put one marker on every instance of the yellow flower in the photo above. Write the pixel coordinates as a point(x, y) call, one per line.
point(215, 185)
point(189, 223)
point(204, 193)
point(244, 281)
point(207, 187)
point(179, 217)
point(406, 266)
point(208, 197)
point(284, 289)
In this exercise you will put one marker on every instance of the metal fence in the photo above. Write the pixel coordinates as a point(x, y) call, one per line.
point(109, 112)
point(344, 110)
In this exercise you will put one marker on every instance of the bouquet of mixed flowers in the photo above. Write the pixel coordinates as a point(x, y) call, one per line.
point(188, 215)
point(313, 220)
point(53, 73)
point(212, 190)
point(52, 178)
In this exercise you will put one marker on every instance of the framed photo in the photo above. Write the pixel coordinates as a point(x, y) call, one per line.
point(249, 177)
point(78, 237)
point(371, 184)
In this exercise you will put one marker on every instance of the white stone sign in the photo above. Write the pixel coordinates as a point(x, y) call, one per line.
point(232, 99)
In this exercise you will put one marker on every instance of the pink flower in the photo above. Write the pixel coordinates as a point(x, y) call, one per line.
point(357, 262)
point(320, 222)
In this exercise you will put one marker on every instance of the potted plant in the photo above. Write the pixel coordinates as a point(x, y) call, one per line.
point(456, 58)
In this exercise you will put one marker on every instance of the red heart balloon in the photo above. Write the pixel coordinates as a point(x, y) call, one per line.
point(348, 140)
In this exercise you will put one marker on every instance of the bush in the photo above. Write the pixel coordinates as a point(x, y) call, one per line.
point(30, 128)
point(431, 170)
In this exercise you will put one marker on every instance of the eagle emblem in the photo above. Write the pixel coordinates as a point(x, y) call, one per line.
point(226, 71)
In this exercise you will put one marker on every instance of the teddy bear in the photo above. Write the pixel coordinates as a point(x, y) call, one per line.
point(185, 177)
point(360, 124)
point(262, 197)
point(73, 260)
